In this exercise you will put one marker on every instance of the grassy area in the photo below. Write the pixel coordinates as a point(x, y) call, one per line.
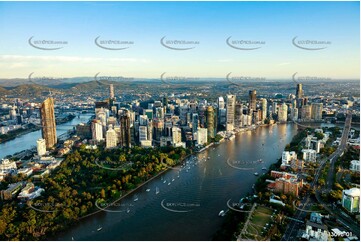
point(260, 217)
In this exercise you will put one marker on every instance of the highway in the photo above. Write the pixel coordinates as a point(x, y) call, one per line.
point(292, 229)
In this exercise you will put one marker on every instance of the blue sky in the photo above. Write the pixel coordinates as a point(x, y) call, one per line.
point(209, 23)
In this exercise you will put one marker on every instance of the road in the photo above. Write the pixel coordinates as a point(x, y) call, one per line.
point(292, 229)
point(348, 222)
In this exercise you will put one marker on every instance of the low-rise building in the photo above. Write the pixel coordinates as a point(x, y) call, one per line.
point(11, 191)
point(309, 155)
point(316, 231)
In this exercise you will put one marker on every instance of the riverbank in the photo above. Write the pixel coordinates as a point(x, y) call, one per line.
point(11, 135)
point(135, 189)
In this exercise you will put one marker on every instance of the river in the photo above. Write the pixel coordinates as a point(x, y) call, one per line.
point(28, 141)
point(187, 207)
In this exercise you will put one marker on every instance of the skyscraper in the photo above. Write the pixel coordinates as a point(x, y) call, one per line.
point(48, 125)
point(111, 91)
point(111, 138)
point(264, 109)
point(231, 106)
point(299, 91)
point(195, 120)
point(210, 122)
point(125, 135)
point(316, 111)
point(97, 130)
point(282, 113)
point(252, 99)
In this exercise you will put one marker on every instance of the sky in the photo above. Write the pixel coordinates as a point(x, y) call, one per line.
point(208, 25)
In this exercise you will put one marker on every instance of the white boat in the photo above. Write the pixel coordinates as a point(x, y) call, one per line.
point(165, 181)
point(168, 183)
point(128, 210)
point(100, 228)
point(221, 213)
point(172, 179)
point(148, 190)
point(256, 173)
point(156, 190)
point(135, 198)
point(264, 168)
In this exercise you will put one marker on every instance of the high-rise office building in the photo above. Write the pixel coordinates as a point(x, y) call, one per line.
point(111, 138)
point(264, 109)
point(231, 106)
point(111, 91)
point(282, 113)
point(274, 107)
point(125, 132)
point(210, 122)
point(48, 125)
point(316, 111)
point(97, 130)
point(220, 102)
point(41, 147)
point(306, 112)
point(299, 91)
point(195, 121)
point(252, 99)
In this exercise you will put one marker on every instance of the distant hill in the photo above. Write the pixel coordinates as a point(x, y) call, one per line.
point(32, 90)
point(3, 91)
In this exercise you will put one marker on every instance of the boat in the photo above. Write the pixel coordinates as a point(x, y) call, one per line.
point(148, 190)
point(165, 181)
point(156, 190)
point(168, 183)
point(128, 210)
point(256, 173)
point(72, 238)
point(173, 179)
point(260, 160)
point(100, 228)
point(135, 198)
point(264, 168)
point(221, 213)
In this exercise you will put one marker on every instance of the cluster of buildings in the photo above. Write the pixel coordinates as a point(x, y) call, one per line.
point(187, 123)
point(285, 183)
